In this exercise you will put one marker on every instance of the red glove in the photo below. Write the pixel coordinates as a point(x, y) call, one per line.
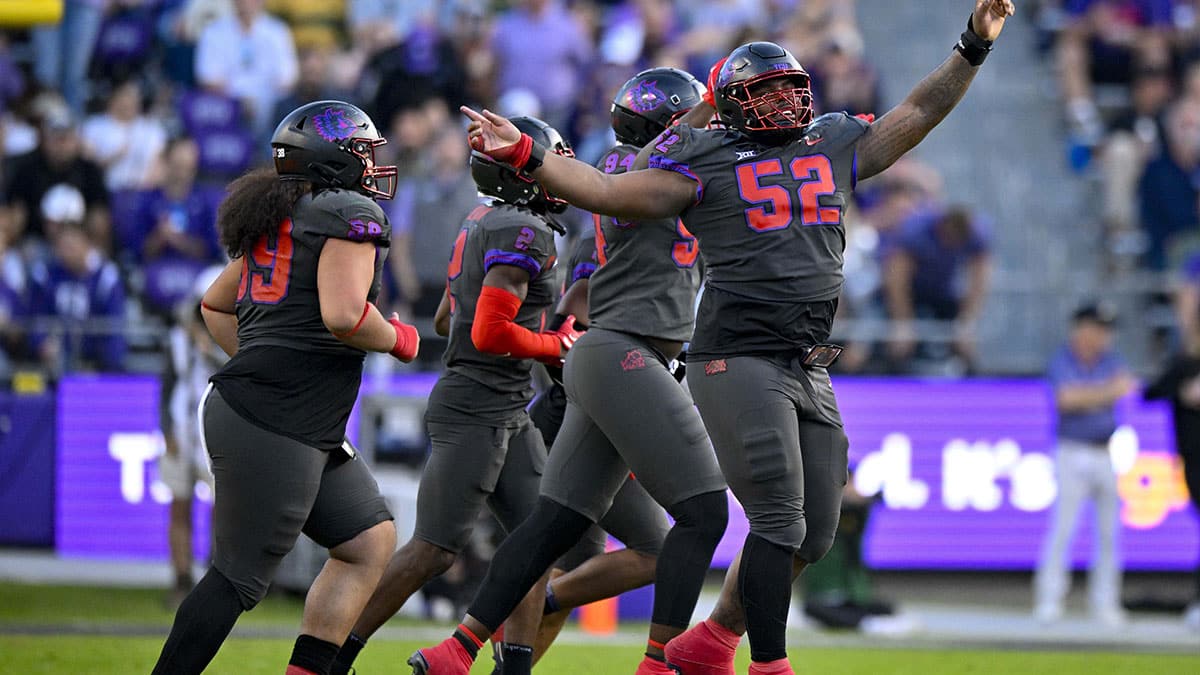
point(712, 81)
point(514, 155)
point(566, 334)
point(407, 340)
point(869, 118)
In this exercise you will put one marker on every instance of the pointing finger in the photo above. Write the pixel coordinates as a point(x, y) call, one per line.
point(471, 114)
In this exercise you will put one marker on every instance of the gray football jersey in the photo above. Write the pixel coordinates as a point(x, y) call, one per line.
point(278, 303)
point(769, 221)
point(495, 234)
point(290, 375)
point(647, 272)
point(582, 263)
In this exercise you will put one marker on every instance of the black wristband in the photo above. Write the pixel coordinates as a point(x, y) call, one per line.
point(537, 155)
point(972, 47)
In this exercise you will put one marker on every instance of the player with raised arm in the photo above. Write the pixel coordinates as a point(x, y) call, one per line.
point(501, 282)
point(295, 311)
point(765, 198)
point(625, 410)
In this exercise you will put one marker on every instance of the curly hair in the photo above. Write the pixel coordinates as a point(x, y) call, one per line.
point(255, 204)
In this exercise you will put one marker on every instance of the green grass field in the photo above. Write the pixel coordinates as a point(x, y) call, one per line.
point(45, 629)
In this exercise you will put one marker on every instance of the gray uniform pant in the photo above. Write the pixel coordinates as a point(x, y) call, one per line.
point(625, 411)
point(634, 518)
point(472, 465)
point(1084, 471)
point(778, 436)
point(269, 489)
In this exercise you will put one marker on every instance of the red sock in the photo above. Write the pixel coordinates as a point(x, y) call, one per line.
point(704, 649)
point(447, 654)
point(297, 670)
point(776, 667)
point(722, 634)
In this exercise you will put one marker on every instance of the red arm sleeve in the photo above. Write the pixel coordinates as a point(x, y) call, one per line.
point(494, 332)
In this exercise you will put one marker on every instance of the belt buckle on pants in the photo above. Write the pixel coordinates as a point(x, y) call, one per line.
point(820, 355)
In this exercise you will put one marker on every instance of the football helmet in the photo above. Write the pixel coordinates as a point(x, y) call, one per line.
point(650, 101)
point(332, 144)
point(510, 186)
point(748, 101)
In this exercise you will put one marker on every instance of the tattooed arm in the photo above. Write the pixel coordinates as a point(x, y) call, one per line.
point(904, 126)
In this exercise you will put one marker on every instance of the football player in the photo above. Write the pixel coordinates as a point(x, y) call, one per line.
point(294, 309)
point(501, 281)
point(625, 410)
point(765, 197)
point(643, 107)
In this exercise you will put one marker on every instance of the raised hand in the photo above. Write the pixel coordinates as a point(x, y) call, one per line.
point(989, 16)
point(711, 92)
point(490, 133)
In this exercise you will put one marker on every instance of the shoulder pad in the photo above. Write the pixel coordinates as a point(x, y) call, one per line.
point(343, 214)
point(835, 126)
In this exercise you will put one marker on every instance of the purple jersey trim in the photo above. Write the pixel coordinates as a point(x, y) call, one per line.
point(583, 271)
point(661, 162)
point(498, 257)
point(854, 170)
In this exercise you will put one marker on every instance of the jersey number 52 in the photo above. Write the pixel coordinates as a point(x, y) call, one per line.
point(772, 204)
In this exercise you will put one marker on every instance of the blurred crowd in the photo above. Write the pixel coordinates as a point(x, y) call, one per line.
point(1129, 77)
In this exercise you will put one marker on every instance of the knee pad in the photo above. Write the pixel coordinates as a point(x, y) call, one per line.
point(815, 546)
point(784, 527)
point(250, 591)
point(650, 546)
point(706, 514)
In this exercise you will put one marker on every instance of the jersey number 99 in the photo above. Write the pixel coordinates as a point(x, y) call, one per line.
point(267, 269)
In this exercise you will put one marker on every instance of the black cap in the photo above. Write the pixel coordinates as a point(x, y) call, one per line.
point(1096, 312)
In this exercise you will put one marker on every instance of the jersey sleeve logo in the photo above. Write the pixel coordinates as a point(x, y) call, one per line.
point(360, 231)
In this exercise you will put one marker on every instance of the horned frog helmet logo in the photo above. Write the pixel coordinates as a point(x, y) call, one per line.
point(646, 97)
point(333, 125)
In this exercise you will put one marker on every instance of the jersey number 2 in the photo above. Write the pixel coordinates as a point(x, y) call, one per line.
point(773, 203)
point(267, 269)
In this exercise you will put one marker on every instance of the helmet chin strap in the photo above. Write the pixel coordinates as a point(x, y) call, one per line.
point(327, 174)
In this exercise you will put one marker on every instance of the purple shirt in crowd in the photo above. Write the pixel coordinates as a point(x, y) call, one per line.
point(542, 53)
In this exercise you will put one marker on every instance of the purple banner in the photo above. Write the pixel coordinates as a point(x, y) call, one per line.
point(110, 501)
point(26, 469)
point(964, 471)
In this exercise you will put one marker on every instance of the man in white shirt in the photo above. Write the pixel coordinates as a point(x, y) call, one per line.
point(249, 56)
